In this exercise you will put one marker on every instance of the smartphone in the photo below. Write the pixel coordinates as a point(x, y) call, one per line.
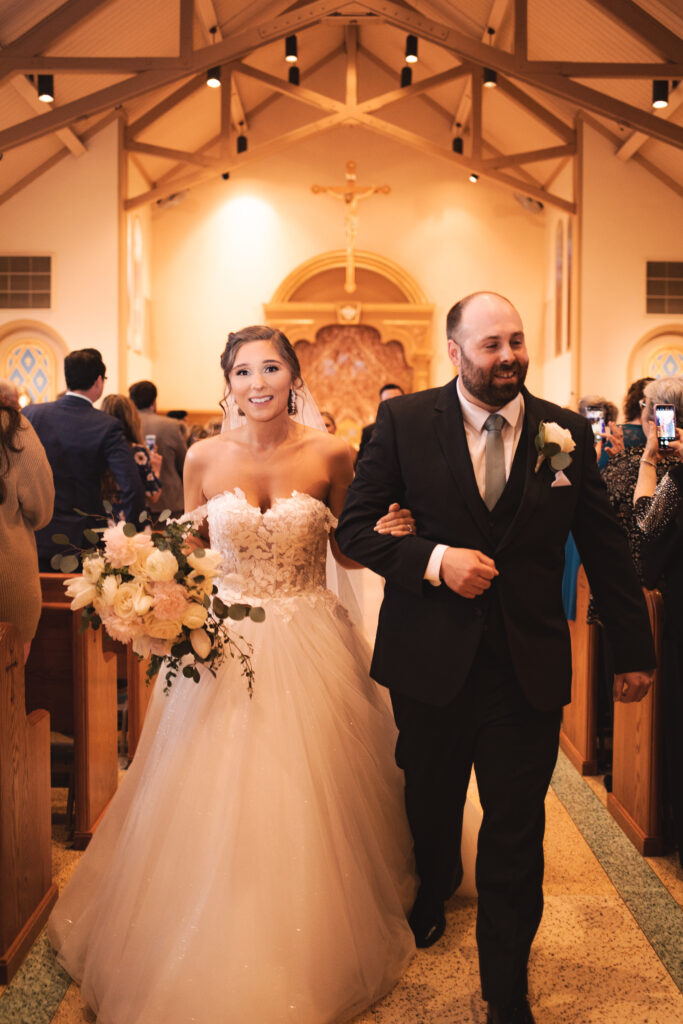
point(596, 417)
point(665, 423)
point(150, 441)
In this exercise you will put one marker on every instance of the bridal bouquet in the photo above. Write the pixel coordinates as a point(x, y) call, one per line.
point(156, 590)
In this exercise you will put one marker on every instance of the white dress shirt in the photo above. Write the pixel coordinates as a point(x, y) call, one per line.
point(474, 418)
point(77, 394)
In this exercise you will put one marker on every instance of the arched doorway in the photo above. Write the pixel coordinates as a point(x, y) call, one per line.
point(350, 347)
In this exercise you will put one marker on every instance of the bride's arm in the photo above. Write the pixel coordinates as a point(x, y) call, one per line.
point(193, 476)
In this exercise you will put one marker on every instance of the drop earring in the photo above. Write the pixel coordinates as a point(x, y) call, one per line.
point(291, 402)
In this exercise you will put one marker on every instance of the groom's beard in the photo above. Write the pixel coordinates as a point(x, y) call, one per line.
point(487, 386)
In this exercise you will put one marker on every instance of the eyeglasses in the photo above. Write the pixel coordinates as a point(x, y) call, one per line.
point(642, 402)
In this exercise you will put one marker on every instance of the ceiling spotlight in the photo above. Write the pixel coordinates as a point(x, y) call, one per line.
point(46, 88)
point(411, 49)
point(294, 76)
point(291, 54)
point(474, 178)
point(213, 78)
point(406, 77)
point(660, 93)
point(225, 175)
point(457, 145)
point(490, 78)
point(242, 144)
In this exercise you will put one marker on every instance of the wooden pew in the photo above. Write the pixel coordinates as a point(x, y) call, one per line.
point(27, 892)
point(635, 800)
point(70, 674)
point(134, 671)
point(578, 735)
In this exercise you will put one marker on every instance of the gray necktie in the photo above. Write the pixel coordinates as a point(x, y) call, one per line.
point(495, 460)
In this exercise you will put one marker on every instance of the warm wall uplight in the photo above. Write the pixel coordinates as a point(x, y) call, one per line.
point(474, 178)
point(291, 52)
point(213, 78)
point(406, 77)
point(660, 94)
point(411, 49)
point(46, 88)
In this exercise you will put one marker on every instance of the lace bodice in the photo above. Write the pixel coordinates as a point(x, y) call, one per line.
point(277, 553)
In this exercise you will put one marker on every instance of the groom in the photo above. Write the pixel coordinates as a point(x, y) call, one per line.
point(472, 640)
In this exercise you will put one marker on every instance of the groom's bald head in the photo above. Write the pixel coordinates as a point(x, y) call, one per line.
point(456, 312)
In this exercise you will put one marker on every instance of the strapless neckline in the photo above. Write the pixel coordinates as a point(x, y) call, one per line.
point(237, 492)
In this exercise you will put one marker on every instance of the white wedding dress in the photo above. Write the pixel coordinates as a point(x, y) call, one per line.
point(255, 865)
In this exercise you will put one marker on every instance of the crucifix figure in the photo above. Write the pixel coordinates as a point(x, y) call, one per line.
point(351, 194)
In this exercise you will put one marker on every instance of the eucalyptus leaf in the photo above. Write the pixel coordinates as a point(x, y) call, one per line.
point(60, 538)
point(80, 512)
point(561, 461)
point(236, 611)
point(108, 507)
point(56, 562)
point(163, 516)
point(189, 671)
point(220, 608)
point(195, 674)
point(69, 563)
point(91, 536)
point(129, 530)
point(550, 449)
point(206, 601)
point(199, 552)
point(257, 614)
point(143, 516)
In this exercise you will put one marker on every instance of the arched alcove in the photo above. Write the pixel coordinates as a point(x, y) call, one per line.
point(352, 345)
point(32, 357)
point(659, 353)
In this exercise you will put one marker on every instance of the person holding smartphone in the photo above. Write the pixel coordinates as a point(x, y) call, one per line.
point(658, 508)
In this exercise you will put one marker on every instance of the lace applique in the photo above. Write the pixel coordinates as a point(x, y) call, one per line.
point(279, 553)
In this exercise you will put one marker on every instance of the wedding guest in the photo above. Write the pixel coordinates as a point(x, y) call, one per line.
point(82, 443)
point(329, 421)
point(659, 512)
point(26, 500)
point(148, 463)
point(168, 441)
point(180, 416)
point(9, 394)
point(386, 392)
point(472, 641)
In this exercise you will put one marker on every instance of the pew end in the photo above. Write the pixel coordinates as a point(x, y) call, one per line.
point(578, 735)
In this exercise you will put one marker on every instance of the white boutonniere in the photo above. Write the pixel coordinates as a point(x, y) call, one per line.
point(554, 444)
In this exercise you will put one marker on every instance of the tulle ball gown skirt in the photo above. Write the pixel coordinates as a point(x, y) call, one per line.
point(255, 864)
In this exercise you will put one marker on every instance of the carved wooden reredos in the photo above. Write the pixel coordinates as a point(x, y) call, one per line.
point(350, 346)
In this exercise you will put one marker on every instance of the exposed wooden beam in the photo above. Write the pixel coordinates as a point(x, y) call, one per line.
point(224, 52)
point(186, 30)
point(476, 87)
point(642, 25)
point(51, 28)
point(208, 20)
point(494, 21)
point(274, 97)
point(637, 158)
point(266, 149)
point(170, 101)
point(297, 92)
point(250, 13)
point(557, 171)
point(226, 112)
point(423, 145)
point(636, 140)
point(29, 93)
point(529, 157)
point(351, 50)
point(169, 154)
point(504, 63)
point(596, 69)
point(25, 65)
point(135, 160)
point(417, 89)
point(521, 31)
point(536, 109)
point(428, 100)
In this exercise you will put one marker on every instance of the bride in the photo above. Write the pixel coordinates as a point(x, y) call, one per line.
point(255, 865)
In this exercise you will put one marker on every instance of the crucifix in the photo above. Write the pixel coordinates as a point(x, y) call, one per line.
point(351, 194)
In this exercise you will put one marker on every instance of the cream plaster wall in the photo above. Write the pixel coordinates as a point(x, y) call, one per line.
point(220, 254)
point(71, 213)
point(629, 217)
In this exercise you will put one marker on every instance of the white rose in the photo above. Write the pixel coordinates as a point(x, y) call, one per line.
point(129, 599)
point(93, 568)
point(195, 616)
point(163, 629)
point(161, 566)
point(82, 591)
point(553, 433)
point(201, 642)
point(206, 564)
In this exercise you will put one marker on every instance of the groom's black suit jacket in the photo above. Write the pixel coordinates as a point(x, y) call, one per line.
point(428, 636)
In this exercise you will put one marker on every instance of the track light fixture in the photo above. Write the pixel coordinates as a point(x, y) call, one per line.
point(291, 52)
point(474, 178)
point(406, 77)
point(242, 144)
point(411, 49)
point(294, 76)
point(490, 78)
point(457, 145)
point(225, 175)
point(213, 78)
point(660, 93)
point(46, 88)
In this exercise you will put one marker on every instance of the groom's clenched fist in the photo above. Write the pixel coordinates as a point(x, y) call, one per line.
point(466, 571)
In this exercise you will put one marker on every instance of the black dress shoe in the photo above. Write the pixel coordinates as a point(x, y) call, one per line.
point(427, 920)
point(517, 1012)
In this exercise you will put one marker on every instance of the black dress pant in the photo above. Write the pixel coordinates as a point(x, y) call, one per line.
point(513, 748)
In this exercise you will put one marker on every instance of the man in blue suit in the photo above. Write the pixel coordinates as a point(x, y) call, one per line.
point(82, 443)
